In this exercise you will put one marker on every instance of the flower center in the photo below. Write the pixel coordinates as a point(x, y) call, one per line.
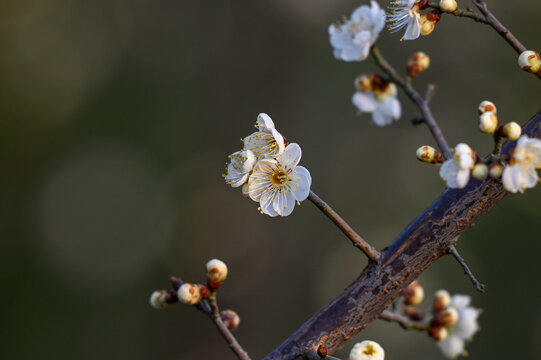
point(279, 177)
point(370, 350)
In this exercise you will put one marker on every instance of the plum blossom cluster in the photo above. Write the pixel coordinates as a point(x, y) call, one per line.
point(353, 38)
point(411, 15)
point(197, 294)
point(267, 170)
point(450, 320)
point(517, 170)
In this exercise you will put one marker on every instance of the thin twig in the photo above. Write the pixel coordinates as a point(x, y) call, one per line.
point(462, 13)
point(401, 320)
point(355, 238)
point(224, 331)
point(417, 99)
point(478, 285)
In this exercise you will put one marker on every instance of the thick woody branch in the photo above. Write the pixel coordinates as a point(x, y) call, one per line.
point(355, 238)
point(424, 241)
point(421, 103)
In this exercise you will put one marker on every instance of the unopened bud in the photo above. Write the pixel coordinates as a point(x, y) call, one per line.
point(230, 318)
point(216, 272)
point(438, 333)
point(429, 154)
point(367, 350)
point(529, 61)
point(413, 294)
point(486, 106)
point(480, 171)
point(158, 299)
point(189, 294)
point(495, 170)
point(418, 63)
point(447, 317)
point(428, 21)
point(488, 123)
point(512, 131)
point(363, 83)
point(448, 6)
point(442, 299)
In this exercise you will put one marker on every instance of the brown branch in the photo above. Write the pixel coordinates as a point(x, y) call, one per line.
point(355, 238)
point(401, 320)
point(224, 331)
point(421, 103)
point(425, 240)
point(478, 285)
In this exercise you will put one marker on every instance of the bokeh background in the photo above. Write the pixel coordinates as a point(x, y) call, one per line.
point(117, 118)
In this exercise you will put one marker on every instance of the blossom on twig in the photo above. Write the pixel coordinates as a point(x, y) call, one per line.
point(405, 13)
point(456, 171)
point(377, 96)
point(521, 173)
point(353, 38)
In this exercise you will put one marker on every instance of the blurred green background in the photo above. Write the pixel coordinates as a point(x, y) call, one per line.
point(117, 117)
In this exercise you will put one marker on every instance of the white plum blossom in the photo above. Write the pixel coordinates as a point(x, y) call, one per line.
point(277, 183)
point(267, 141)
point(353, 38)
point(456, 171)
point(378, 97)
point(521, 173)
point(240, 167)
point(463, 330)
point(405, 13)
point(367, 350)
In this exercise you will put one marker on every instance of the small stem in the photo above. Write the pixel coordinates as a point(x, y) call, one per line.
point(417, 99)
point(401, 320)
point(224, 331)
point(478, 285)
point(355, 238)
point(462, 13)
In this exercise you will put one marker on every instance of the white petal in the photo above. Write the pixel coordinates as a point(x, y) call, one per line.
point(448, 172)
point(527, 177)
point(413, 30)
point(508, 180)
point(302, 182)
point(291, 156)
point(279, 140)
point(452, 346)
point(284, 203)
point(380, 118)
point(365, 102)
point(391, 108)
point(264, 122)
point(467, 324)
point(459, 301)
point(266, 203)
point(462, 178)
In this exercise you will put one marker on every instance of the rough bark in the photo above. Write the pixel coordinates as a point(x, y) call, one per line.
point(425, 240)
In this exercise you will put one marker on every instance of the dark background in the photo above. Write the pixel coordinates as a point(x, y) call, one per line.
point(117, 117)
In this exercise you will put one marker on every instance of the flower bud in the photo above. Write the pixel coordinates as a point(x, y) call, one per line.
point(429, 154)
point(486, 106)
point(442, 299)
point(495, 170)
point(438, 333)
point(447, 317)
point(414, 294)
point(158, 299)
point(418, 63)
point(480, 171)
point(529, 61)
point(488, 122)
point(367, 350)
point(448, 6)
point(230, 318)
point(189, 294)
point(216, 272)
point(428, 21)
point(512, 131)
point(363, 83)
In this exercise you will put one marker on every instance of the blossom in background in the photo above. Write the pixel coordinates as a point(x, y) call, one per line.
point(378, 97)
point(353, 38)
point(464, 328)
point(239, 168)
point(456, 171)
point(521, 173)
point(405, 13)
point(267, 141)
point(367, 350)
point(278, 183)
